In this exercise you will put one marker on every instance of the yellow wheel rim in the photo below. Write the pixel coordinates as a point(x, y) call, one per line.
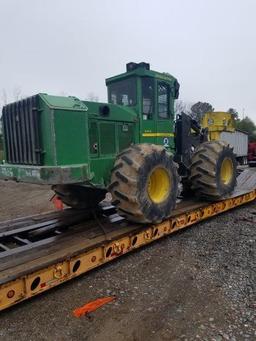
point(226, 171)
point(159, 185)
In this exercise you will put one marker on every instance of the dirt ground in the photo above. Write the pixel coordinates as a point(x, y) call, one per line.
point(19, 200)
point(197, 284)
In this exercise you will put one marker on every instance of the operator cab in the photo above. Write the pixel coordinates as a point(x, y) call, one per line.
point(151, 95)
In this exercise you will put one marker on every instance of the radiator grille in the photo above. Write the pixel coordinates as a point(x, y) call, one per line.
point(21, 132)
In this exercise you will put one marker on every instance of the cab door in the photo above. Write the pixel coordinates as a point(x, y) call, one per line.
point(164, 115)
point(147, 117)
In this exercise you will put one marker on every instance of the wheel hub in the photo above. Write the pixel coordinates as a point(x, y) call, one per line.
point(226, 171)
point(159, 185)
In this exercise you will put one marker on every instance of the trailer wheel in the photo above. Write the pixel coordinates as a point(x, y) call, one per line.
point(79, 197)
point(213, 170)
point(144, 183)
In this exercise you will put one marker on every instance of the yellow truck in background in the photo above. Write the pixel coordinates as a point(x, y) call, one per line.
point(221, 126)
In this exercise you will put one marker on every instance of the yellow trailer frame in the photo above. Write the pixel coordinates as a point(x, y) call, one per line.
point(81, 259)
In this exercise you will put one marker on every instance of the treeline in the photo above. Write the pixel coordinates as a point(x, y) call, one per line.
point(248, 126)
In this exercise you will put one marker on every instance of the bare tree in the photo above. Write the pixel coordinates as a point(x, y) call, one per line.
point(92, 97)
point(16, 93)
point(3, 97)
point(16, 96)
point(181, 106)
point(3, 102)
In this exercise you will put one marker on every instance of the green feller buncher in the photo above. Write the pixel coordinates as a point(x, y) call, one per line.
point(132, 147)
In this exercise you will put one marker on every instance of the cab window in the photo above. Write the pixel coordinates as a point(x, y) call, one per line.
point(123, 92)
point(147, 98)
point(163, 100)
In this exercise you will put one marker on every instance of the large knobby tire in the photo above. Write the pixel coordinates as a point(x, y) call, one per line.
point(79, 197)
point(213, 170)
point(144, 183)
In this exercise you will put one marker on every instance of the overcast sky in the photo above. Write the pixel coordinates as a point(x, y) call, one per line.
point(64, 46)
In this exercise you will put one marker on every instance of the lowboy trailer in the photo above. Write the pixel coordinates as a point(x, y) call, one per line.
point(56, 247)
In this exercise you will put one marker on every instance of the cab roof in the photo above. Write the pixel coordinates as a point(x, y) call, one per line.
point(141, 70)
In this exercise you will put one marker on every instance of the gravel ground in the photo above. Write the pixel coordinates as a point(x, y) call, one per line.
point(195, 284)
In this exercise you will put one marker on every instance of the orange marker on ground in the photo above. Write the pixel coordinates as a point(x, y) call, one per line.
point(92, 306)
